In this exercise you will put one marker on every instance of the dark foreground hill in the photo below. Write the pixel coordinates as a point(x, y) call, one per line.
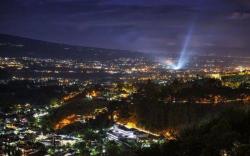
point(14, 46)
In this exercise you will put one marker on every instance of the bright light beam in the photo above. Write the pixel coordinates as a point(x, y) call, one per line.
point(184, 57)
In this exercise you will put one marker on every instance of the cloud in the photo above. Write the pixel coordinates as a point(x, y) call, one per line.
point(147, 25)
point(240, 15)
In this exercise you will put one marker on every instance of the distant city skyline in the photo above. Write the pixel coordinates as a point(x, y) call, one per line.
point(221, 27)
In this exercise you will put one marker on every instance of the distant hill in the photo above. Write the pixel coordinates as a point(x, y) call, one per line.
point(14, 46)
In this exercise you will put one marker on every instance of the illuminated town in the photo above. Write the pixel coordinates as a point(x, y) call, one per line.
point(125, 78)
point(79, 81)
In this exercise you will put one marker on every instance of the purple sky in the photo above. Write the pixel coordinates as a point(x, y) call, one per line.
point(220, 26)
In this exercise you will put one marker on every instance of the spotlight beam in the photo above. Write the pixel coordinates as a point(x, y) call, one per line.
point(184, 57)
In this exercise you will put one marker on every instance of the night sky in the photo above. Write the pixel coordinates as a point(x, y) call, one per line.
point(153, 26)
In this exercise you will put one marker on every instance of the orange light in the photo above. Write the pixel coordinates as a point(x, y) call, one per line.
point(66, 121)
point(93, 94)
point(133, 125)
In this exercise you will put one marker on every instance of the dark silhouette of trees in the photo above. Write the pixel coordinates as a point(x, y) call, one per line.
point(227, 133)
point(158, 107)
